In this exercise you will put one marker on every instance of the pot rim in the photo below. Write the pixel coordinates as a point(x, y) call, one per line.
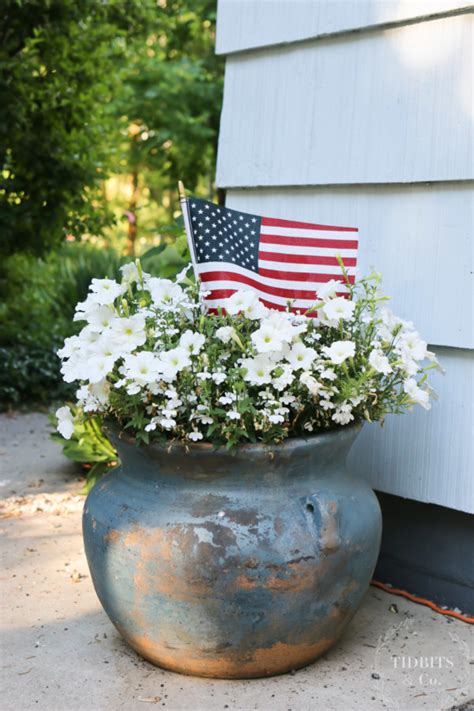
point(287, 445)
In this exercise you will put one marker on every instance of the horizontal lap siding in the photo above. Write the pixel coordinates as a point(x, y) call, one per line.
point(373, 130)
point(246, 24)
point(426, 456)
point(392, 106)
point(419, 237)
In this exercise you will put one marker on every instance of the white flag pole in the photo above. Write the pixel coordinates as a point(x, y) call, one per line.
point(187, 224)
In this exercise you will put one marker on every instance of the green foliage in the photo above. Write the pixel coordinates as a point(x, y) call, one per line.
point(88, 446)
point(36, 311)
point(37, 301)
point(173, 96)
point(30, 374)
point(61, 63)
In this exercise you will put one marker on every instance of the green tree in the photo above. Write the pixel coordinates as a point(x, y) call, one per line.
point(61, 63)
point(171, 100)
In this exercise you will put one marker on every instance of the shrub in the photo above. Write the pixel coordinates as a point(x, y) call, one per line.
point(37, 302)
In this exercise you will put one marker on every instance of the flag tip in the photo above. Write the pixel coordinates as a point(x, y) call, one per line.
point(182, 193)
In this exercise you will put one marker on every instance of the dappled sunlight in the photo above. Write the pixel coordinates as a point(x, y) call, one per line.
point(428, 48)
point(423, 45)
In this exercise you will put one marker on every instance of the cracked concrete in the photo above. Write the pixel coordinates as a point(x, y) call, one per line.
point(61, 653)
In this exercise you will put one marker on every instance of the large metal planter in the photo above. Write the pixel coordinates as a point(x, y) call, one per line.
point(232, 565)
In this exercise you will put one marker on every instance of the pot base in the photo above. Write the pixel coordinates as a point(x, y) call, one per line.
point(281, 658)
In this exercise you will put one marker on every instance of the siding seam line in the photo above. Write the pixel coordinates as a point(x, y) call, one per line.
point(368, 29)
point(309, 186)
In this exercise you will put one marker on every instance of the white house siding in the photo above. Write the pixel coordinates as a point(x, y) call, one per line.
point(372, 129)
point(418, 236)
point(246, 24)
point(381, 107)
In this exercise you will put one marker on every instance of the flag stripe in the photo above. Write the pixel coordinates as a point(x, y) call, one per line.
point(275, 222)
point(225, 280)
point(310, 234)
point(308, 251)
point(308, 242)
point(273, 276)
point(299, 258)
point(281, 260)
point(302, 276)
point(268, 304)
point(217, 296)
point(329, 271)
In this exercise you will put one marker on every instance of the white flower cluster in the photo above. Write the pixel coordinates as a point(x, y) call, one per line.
point(152, 358)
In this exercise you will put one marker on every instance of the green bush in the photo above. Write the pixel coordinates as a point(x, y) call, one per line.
point(61, 64)
point(37, 302)
point(36, 311)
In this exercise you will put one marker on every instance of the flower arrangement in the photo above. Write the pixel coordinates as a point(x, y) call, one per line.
point(151, 357)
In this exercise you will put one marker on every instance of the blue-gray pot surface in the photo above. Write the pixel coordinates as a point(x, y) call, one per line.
point(232, 565)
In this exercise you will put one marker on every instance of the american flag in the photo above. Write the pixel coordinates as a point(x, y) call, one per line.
point(281, 260)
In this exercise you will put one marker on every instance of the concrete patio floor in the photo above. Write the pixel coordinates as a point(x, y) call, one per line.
point(61, 653)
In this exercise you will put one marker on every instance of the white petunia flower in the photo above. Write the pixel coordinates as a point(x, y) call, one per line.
point(72, 344)
point(301, 356)
point(182, 275)
point(267, 338)
point(256, 310)
point(329, 289)
point(411, 346)
point(83, 308)
point(233, 415)
point(99, 317)
point(314, 387)
point(379, 362)
point(259, 369)
point(103, 347)
point(339, 351)
point(173, 361)
point(239, 301)
point(225, 333)
point(128, 333)
point(129, 273)
point(98, 367)
point(290, 326)
point(165, 293)
point(245, 301)
point(328, 374)
point(192, 342)
point(339, 308)
point(282, 381)
point(105, 291)
point(195, 436)
point(93, 397)
point(416, 394)
point(143, 368)
point(65, 424)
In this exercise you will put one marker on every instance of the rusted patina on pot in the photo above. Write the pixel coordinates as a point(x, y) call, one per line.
point(232, 565)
